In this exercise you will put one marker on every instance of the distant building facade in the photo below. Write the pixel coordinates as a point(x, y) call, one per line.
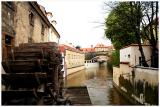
point(101, 48)
point(98, 48)
point(73, 59)
point(87, 50)
point(25, 22)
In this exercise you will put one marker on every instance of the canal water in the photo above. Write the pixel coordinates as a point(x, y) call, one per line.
point(99, 84)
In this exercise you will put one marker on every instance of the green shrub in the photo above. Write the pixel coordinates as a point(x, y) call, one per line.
point(113, 60)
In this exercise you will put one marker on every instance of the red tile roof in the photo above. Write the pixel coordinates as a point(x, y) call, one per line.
point(63, 47)
point(88, 49)
point(100, 45)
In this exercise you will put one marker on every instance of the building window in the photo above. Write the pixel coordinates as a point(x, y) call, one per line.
point(31, 18)
point(8, 40)
point(42, 29)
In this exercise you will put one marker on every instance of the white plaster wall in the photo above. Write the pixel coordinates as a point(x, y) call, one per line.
point(92, 65)
point(134, 53)
point(124, 54)
point(150, 75)
point(124, 68)
point(116, 74)
point(53, 37)
point(46, 33)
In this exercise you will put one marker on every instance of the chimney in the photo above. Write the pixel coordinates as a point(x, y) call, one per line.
point(51, 19)
point(53, 22)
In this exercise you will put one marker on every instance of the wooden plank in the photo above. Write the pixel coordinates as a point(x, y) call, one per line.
point(40, 44)
point(24, 80)
point(16, 93)
point(19, 97)
point(27, 65)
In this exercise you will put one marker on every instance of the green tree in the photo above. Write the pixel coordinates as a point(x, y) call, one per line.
point(78, 47)
point(114, 60)
point(118, 29)
point(125, 22)
point(90, 55)
point(150, 28)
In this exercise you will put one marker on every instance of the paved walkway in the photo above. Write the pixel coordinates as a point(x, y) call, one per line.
point(97, 90)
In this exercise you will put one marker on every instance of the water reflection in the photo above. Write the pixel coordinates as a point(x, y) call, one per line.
point(76, 79)
point(99, 85)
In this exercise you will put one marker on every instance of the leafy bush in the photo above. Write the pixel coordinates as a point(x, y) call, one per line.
point(114, 60)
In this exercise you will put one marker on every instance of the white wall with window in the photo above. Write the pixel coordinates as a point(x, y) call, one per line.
point(132, 54)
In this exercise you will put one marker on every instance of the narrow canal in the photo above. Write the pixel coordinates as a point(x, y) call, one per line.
point(99, 85)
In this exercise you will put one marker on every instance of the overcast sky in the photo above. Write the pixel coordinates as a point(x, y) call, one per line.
point(76, 20)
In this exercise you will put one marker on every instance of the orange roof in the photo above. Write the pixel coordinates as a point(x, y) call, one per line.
point(100, 45)
point(63, 47)
point(88, 49)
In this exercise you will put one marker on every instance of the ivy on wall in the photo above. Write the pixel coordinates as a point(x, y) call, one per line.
point(140, 87)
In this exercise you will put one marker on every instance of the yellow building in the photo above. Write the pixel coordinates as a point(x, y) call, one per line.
point(73, 59)
point(101, 48)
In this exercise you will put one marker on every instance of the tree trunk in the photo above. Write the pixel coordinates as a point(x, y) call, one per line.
point(154, 58)
point(137, 32)
point(155, 51)
point(144, 63)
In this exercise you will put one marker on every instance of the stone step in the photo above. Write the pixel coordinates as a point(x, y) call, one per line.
point(78, 95)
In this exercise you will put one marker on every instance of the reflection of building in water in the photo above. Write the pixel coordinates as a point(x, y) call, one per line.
point(91, 64)
point(91, 73)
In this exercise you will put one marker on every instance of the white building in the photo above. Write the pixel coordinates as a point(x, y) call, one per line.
point(130, 70)
point(132, 55)
point(54, 36)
